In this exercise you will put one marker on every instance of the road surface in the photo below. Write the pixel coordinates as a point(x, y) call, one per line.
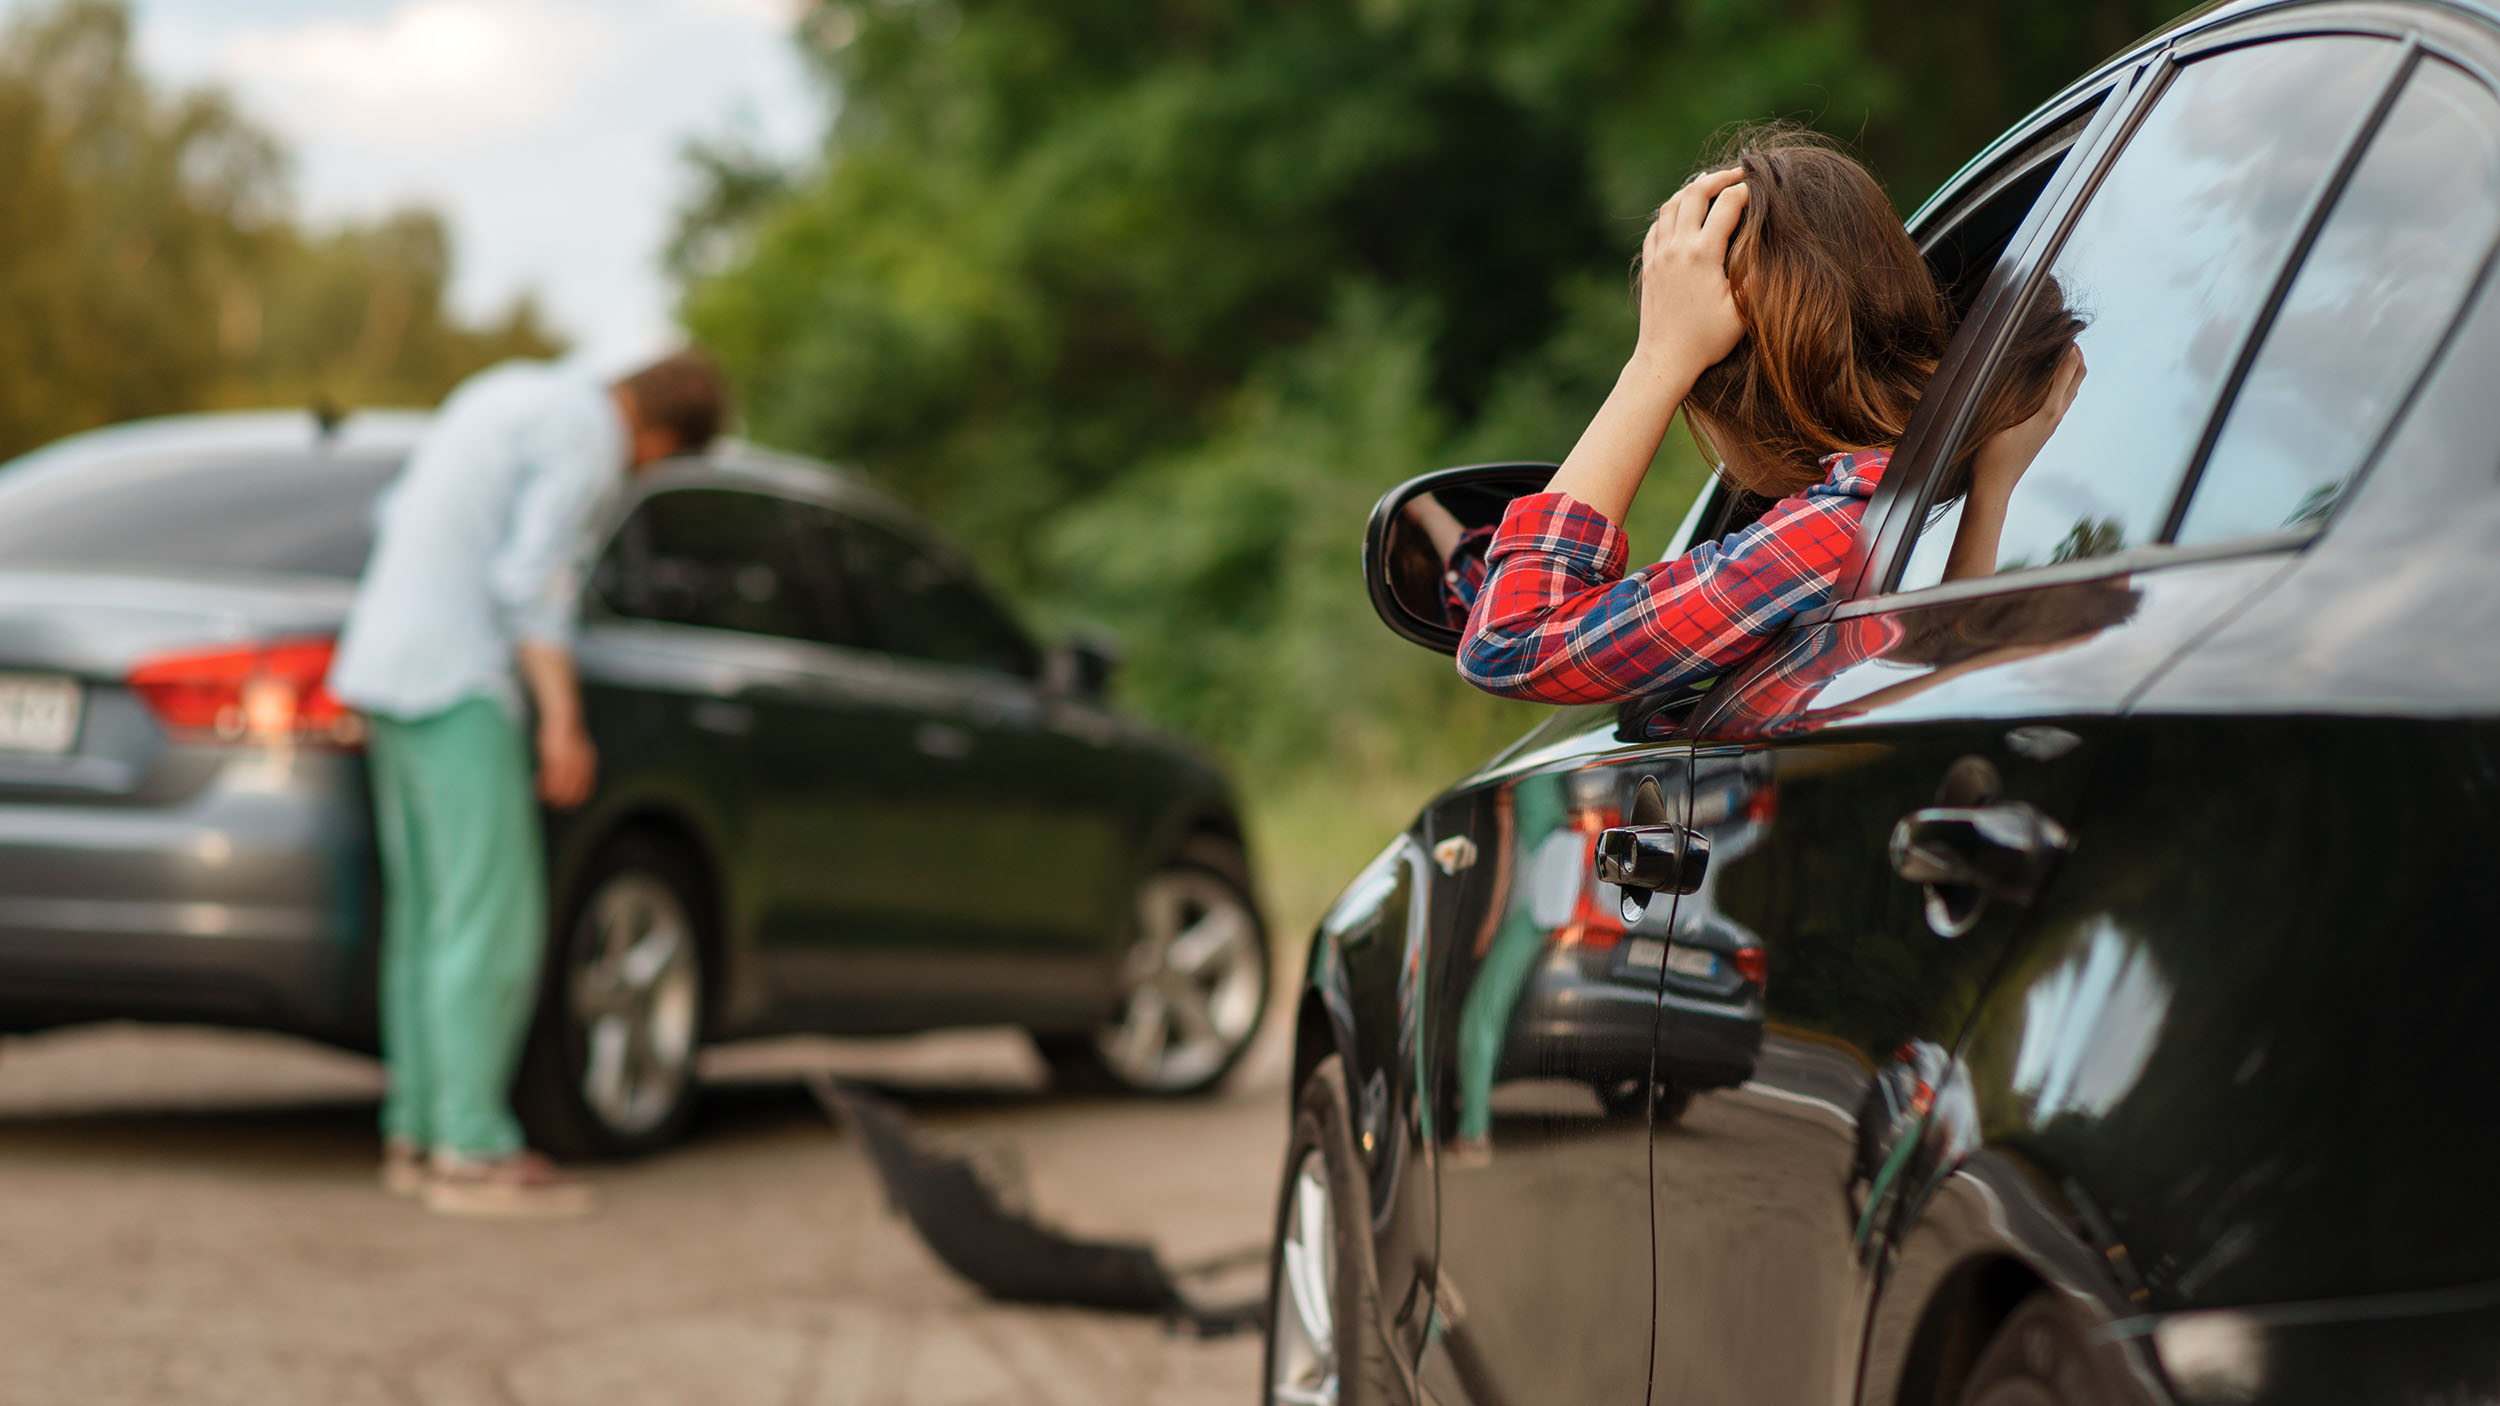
point(191, 1216)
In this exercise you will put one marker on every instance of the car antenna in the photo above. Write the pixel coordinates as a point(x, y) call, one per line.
point(327, 414)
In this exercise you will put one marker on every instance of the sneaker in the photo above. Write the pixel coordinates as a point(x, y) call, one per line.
point(403, 1167)
point(524, 1185)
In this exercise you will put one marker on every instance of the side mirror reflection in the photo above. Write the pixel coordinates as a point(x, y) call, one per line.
point(1082, 666)
point(1417, 529)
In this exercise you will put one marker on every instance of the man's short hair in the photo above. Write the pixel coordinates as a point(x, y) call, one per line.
point(685, 394)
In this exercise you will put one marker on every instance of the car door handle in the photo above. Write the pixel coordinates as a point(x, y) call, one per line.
point(943, 741)
point(726, 718)
point(2002, 851)
point(1653, 858)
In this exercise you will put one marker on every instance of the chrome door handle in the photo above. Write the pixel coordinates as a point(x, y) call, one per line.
point(944, 741)
point(726, 718)
point(1653, 858)
point(1965, 855)
point(2004, 850)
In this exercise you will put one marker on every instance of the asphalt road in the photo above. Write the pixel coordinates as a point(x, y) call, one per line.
point(190, 1216)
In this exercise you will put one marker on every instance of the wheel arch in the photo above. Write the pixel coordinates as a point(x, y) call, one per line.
point(1962, 1313)
point(684, 837)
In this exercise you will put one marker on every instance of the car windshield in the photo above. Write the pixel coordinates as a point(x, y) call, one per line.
point(300, 513)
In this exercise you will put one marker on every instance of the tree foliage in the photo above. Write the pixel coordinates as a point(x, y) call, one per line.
point(149, 261)
point(1150, 298)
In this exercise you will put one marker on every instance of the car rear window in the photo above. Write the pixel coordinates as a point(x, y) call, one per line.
point(300, 514)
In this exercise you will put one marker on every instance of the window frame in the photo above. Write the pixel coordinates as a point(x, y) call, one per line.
point(1904, 499)
point(631, 510)
point(951, 559)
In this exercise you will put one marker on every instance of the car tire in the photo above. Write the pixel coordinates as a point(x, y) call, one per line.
point(1323, 1339)
point(1193, 985)
point(2039, 1356)
point(609, 1070)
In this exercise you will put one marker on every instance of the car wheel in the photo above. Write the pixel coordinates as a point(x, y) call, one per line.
point(2039, 1356)
point(1323, 1339)
point(1193, 985)
point(610, 1066)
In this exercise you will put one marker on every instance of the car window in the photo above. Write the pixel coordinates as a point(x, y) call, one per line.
point(308, 514)
point(912, 603)
point(718, 558)
point(2170, 262)
point(2377, 289)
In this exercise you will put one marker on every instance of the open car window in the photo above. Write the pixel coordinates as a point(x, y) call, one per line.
point(1962, 244)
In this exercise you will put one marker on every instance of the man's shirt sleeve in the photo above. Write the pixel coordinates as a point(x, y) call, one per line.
point(571, 462)
point(1559, 622)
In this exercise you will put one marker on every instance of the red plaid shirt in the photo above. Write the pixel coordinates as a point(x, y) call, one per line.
point(1559, 622)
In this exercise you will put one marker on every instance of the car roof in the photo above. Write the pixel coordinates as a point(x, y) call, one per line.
point(2211, 15)
point(392, 433)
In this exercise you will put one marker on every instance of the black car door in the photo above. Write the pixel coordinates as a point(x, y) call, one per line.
point(719, 651)
point(1948, 730)
point(2244, 1038)
point(1541, 1003)
point(1008, 828)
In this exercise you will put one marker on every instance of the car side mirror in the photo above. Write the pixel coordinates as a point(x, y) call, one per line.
point(1082, 666)
point(1417, 529)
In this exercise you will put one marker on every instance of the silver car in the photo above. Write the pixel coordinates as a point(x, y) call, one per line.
point(841, 788)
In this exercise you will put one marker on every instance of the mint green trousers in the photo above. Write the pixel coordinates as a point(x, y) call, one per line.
point(463, 923)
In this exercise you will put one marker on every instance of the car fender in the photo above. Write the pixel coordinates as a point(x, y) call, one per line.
point(1980, 1236)
point(694, 815)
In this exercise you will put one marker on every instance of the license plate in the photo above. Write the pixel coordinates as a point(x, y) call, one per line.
point(1644, 953)
point(38, 714)
point(1693, 961)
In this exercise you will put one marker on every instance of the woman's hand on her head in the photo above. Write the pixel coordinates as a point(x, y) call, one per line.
point(1688, 309)
point(2007, 454)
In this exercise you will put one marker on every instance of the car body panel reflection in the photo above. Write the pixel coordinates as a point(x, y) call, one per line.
point(1546, 1002)
point(1775, 1200)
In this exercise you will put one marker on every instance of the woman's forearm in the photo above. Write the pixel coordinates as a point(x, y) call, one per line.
point(1975, 540)
point(1604, 470)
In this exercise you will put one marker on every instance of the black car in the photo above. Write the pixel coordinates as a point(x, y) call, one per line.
point(840, 789)
point(2126, 934)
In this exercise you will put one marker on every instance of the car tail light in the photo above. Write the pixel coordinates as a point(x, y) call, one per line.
point(268, 691)
point(1753, 964)
point(1594, 923)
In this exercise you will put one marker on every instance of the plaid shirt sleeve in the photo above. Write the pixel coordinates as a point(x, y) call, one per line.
point(1776, 699)
point(1558, 621)
point(1462, 577)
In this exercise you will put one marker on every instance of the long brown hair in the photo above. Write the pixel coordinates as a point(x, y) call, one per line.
point(1844, 324)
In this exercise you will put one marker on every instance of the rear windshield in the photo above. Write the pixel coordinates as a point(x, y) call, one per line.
point(307, 514)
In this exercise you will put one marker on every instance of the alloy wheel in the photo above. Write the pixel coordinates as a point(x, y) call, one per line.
point(636, 992)
point(1302, 1361)
point(1195, 981)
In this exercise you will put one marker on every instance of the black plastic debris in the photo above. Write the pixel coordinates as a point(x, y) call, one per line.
point(1010, 1256)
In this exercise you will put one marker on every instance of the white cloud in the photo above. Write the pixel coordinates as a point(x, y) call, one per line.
point(547, 131)
point(429, 71)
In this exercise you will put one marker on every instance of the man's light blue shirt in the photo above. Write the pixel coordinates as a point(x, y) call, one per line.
point(482, 542)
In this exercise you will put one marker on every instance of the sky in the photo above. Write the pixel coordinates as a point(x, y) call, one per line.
point(546, 131)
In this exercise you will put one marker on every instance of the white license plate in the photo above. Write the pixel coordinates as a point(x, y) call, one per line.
point(1644, 954)
point(1692, 961)
point(38, 714)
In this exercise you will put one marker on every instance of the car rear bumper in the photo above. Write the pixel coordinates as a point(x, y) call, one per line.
point(250, 902)
point(1584, 1015)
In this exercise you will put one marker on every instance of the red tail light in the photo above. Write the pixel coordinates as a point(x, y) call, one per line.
point(1593, 923)
point(1753, 964)
point(268, 691)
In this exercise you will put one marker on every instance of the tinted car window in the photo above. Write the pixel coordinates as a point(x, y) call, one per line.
point(296, 513)
point(912, 603)
point(718, 558)
point(2376, 290)
point(2171, 261)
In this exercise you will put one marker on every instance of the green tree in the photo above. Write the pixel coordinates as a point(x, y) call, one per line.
point(149, 262)
point(1149, 300)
